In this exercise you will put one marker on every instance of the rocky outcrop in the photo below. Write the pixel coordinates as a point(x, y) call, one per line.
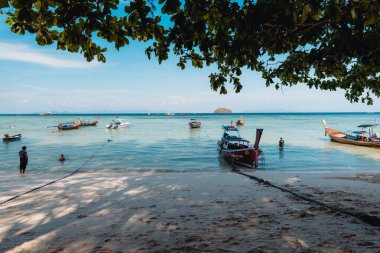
point(222, 110)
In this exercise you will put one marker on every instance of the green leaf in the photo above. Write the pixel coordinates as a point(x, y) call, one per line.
point(133, 19)
point(4, 3)
point(171, 7)
point(353, 13)
point(305, 13)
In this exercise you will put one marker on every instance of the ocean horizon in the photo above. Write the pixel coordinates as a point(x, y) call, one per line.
point(175, 113)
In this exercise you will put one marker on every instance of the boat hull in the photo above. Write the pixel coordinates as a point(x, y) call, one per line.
point(12, 138)
point(194, 125)
point(93, 123)
point(68, 128)
point(240, 122)
point(246, 156)
point(114, 126)
point(63, 127)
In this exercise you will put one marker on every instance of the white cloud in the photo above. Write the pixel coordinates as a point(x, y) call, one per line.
point(177, 100)
point(25, 53)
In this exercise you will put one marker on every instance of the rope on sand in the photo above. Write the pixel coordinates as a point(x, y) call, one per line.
point(52, 182)
point(369, 219)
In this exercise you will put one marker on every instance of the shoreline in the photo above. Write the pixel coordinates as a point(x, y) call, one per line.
point(108, 211)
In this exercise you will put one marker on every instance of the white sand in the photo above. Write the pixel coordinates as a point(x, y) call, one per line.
point(185, 212)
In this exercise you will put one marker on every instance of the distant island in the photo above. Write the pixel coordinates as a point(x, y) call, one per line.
point(222, 110)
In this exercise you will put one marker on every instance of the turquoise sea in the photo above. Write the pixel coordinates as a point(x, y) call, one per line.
point(165, 143)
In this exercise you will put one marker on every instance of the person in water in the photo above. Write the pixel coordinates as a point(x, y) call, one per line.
point(61, 158)
point(281, 143)
point(23, 155)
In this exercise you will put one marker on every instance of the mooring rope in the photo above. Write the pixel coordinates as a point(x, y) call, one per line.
point(369, 219)
point(52, 182)
point(207, 134)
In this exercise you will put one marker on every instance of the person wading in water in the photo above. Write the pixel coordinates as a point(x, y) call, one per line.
point(281, 143)
point(23, 155)
point(62, 158)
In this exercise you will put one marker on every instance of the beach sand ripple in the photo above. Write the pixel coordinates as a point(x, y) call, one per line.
point(187, 212)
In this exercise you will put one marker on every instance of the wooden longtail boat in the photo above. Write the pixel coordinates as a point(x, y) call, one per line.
point(367, 141)
point(194, 123)
point(236, 149)
point(68, 126)
point(8, 138)
point(88, 123)
point(240, 122)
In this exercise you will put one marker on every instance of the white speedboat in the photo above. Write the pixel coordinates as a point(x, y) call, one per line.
point(117, 123)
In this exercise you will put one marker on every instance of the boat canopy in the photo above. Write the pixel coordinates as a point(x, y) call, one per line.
point(367, 125)
point(231, 133)
point(235, 138)
point(230, 128)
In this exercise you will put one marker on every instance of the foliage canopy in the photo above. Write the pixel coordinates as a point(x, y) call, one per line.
point(324, 44)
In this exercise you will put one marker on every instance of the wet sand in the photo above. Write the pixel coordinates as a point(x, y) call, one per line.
point(187, 212)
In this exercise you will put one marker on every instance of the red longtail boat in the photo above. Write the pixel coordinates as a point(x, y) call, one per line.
point(236, 149)
point(8, 138)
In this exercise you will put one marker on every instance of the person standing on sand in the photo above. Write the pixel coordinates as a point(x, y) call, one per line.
point(23, 155)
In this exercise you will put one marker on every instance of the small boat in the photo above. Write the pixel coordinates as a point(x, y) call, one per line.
point(88, 123)
point(46, 114)
point(117, 123)
point(359, 138)
point(169, 114)
point(194, 123)
point(68, 126)
point(240, 122)
point(8, 138)
point(236, 149)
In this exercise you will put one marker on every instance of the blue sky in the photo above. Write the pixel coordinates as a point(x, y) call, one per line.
point(40, 79)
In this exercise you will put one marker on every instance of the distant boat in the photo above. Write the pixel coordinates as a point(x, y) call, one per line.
point(88, 123)
point(46, 114)
point(359, 138)
point(240, 122)
point(69, 125)
point(170, 114)
point(117, 123)
point(8, 138)
point(194, 123)
point(236, 149)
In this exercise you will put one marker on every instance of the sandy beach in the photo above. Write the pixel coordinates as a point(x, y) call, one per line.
point(187, 212)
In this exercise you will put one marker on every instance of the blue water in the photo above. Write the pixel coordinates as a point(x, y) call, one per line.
point(159, 142)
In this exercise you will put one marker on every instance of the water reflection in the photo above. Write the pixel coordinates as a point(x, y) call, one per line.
point(366, 152)
point(281, 152)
